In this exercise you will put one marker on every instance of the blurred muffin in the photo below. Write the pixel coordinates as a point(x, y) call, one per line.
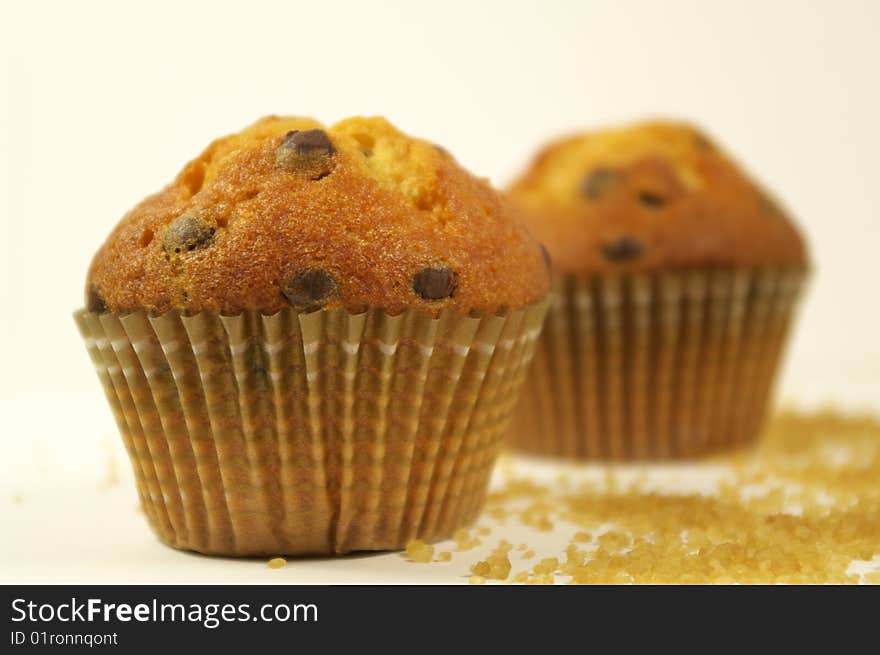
point(313, 338)
point(675, 281)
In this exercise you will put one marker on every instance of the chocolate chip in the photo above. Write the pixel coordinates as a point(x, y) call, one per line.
point(622, 249)
point(599, 182)
point(435, 282)
point(186, 233)
point(546, 254)
point(307, 151)
point(95, 302)
point(310, 289)
point(308, 142)
point(651, 199)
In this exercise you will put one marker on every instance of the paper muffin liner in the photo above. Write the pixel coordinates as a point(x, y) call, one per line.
point(674, 364)
point(315, 433)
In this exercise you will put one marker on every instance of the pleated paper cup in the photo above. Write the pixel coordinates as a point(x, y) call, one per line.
point(315, 433)
point(667, 365)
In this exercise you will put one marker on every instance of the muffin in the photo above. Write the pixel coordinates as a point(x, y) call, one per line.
point(675, 282)
point(313, 339)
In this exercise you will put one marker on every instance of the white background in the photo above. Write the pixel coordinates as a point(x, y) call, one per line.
point(103, 102)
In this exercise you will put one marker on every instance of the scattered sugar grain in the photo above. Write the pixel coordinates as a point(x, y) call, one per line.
point(418, 551)
point(546, 565)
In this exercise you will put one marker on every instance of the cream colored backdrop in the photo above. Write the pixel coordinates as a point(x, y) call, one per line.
point(102, 102)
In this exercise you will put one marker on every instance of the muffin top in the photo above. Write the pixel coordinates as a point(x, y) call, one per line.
point(289, 213)
point(653, 196)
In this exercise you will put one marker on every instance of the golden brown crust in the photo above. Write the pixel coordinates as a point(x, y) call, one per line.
point(648, 197)
point(288, 212)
